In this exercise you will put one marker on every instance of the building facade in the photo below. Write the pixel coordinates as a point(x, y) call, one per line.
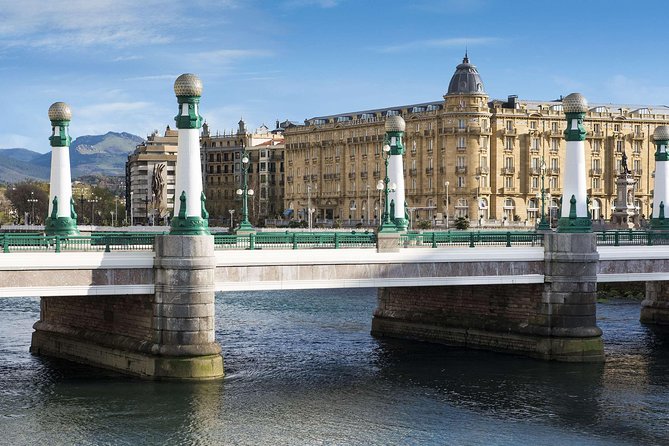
point(468, 156)
point(150, 178)
point(222, 173)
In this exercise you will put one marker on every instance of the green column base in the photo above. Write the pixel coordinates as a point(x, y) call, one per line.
point(578, 224)
point(62, 226)
point(402, 224)
point(245, 227)
point(659, 224)
point(189, 226)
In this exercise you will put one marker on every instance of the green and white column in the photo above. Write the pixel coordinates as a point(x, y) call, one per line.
point(574, 215)
point(62, 219)
point(190, 215)
point(395, 127)
point(661, 193)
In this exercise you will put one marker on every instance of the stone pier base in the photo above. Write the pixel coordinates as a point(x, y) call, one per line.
point(167, 335)
point(555, 320)
point(655, 307)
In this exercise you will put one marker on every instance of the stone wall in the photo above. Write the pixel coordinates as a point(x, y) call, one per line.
point(655, 307)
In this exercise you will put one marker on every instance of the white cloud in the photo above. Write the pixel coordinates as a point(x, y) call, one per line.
point(461, 42)
point(83, 23)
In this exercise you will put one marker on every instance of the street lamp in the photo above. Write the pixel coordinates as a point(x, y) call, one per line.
point(544, 225)
point(367, 204)
point(232, 211)
point(32, 200)
point(478, 204)
point(115, 210)
point(132, 210)
point(386, 226)
point(309, 205)
point(245, 225)
point(446, 184)
point(92, 201)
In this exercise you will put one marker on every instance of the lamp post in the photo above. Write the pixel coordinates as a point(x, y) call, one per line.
point(386, 225)
point(309, 205)
point(446, 184)
point(132, 212)
point(115, 210)
point(245, 225)
point(32, 200)
point(367, 204)
point(478, 204)
point(92, 201)
point(232, 211)
point(544, 225)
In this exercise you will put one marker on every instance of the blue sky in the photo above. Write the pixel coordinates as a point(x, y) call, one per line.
point(115, 61)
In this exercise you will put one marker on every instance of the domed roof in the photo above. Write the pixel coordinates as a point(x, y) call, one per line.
point(188, 84)
point(395, 123)
point(574, 103)
point(466, 79)
point(60, 111)
point(661, 133)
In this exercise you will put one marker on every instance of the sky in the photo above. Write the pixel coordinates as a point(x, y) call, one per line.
point(115, 61)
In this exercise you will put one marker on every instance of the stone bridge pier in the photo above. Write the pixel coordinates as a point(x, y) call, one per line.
point(166, 335)
point(555, 320)
point(655, 307)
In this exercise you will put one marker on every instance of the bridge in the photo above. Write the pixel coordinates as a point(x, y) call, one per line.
point(518, 292)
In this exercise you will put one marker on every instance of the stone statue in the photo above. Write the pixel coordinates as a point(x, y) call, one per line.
point(158, 189)
point(623, 164)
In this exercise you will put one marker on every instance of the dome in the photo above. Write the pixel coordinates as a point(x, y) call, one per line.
point(574, 103)
point(60, 111)
point(466, 79)
point(188, 85)
point(395, 123)
point(661, 133)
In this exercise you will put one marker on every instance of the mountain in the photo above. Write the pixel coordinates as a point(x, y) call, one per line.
point(17, 165)
point(89, 155)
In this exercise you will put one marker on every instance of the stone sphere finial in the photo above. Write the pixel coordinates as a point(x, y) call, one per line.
point(60, 111)
point(661, 133)
point(188, 84)
point(395, 123)
point(575, 103)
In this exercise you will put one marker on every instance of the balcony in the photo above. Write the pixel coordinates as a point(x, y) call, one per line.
point(314, 178)
point(638, 135)
point(461, 148)
point(377, 174)
point(553, 171)
point(289, 179)
point(596, 172)
point(305, 178)
point(460, 169)
point(596, 135)
point(510, 170)
point(428, 170)
point(413, 172)
point(509, 132)
point(482, 170)
point(364, 175)
point(337, 177)
point(535, 170)
point(428, 132)
point(509, 190)
point(351, 176)
point(637, 172)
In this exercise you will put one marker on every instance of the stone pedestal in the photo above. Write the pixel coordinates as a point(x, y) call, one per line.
point(655, 307)
point(568, 312)
point(624, 215)
point(167, 335)
point(387, 242)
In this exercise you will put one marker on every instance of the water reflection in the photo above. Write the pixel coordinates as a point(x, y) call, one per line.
point(303, 369)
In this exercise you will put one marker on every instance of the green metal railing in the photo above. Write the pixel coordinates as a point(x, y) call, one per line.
point(13, 242)
point(471, 238)
point(295, 240)
point(632, 238)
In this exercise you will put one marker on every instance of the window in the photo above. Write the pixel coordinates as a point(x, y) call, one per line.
point(596, 145)
point(596, 128)
point(461, 181)
point(533, 125)
point(508, 182)
point(555, 145)
point(535, 182)
point(508, 162)
point(462, 143)
point(508, 143)
point(616, 127)
point(460, 161)
point(554, 126)
point(509, 125)
point(596, 183)
point(637, 146)
point(461, 123)
point(535, 143)
point(620, 146)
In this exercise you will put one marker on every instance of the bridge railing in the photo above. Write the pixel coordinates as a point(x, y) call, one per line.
point(295, 240)
point(12, 242)
point(632, 238)
point(471, 238)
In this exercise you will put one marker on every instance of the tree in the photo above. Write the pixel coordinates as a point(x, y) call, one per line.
point(20, 193)
point(461, 223)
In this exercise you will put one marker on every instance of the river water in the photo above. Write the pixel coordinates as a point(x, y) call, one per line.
point(302, 369)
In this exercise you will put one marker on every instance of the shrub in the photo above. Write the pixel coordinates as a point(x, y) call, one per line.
point(461, 223)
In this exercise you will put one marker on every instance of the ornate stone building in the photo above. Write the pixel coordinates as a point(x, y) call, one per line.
point(467, 155)
point(222, 173)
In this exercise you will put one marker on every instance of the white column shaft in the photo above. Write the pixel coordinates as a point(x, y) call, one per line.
point(574, 179)
point(61, 181)
point(661, 193)
point(396, 175)
point(188, 173)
